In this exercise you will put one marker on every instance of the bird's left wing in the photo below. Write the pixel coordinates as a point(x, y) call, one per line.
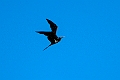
point(53, 26)
point(43, 32)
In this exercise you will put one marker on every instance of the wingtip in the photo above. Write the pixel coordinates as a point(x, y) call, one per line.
point(38, 32)
point(47, 19)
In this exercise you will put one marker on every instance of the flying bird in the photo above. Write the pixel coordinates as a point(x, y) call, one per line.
point(51, 35)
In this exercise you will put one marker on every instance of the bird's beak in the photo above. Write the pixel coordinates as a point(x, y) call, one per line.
point(62, 36)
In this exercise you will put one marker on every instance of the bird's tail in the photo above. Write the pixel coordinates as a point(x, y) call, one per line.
point(47, 47)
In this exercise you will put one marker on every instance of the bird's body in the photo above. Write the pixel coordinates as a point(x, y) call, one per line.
point(52, 37)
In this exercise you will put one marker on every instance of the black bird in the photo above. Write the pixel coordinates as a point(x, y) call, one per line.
point(52, 37)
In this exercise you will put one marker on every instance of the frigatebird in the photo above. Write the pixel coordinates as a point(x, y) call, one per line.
point(51, 35)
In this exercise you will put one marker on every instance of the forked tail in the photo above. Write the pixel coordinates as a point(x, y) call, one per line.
point(47, 47)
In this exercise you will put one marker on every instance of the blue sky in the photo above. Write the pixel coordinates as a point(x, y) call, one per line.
point(89, 51)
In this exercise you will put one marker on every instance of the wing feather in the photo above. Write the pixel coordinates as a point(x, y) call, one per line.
point(53, 26)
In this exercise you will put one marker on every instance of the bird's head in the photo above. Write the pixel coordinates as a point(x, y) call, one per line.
point(61, 37)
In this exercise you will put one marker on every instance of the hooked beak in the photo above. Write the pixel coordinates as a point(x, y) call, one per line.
point(62, 36)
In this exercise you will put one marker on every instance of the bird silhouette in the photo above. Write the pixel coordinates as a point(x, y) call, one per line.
point(51, 35)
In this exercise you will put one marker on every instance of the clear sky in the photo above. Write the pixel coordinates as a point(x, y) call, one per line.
point(89, 51)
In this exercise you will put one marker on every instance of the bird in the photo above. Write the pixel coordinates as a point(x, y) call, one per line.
point(51, 35)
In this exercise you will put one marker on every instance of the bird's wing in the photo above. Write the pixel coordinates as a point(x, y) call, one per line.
point(53, 26)
point(43, 32)
point(47, 47)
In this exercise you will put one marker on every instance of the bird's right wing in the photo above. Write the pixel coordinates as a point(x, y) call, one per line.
point(53, 26)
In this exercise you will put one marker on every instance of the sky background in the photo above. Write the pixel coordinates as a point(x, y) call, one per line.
point(89, 51)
